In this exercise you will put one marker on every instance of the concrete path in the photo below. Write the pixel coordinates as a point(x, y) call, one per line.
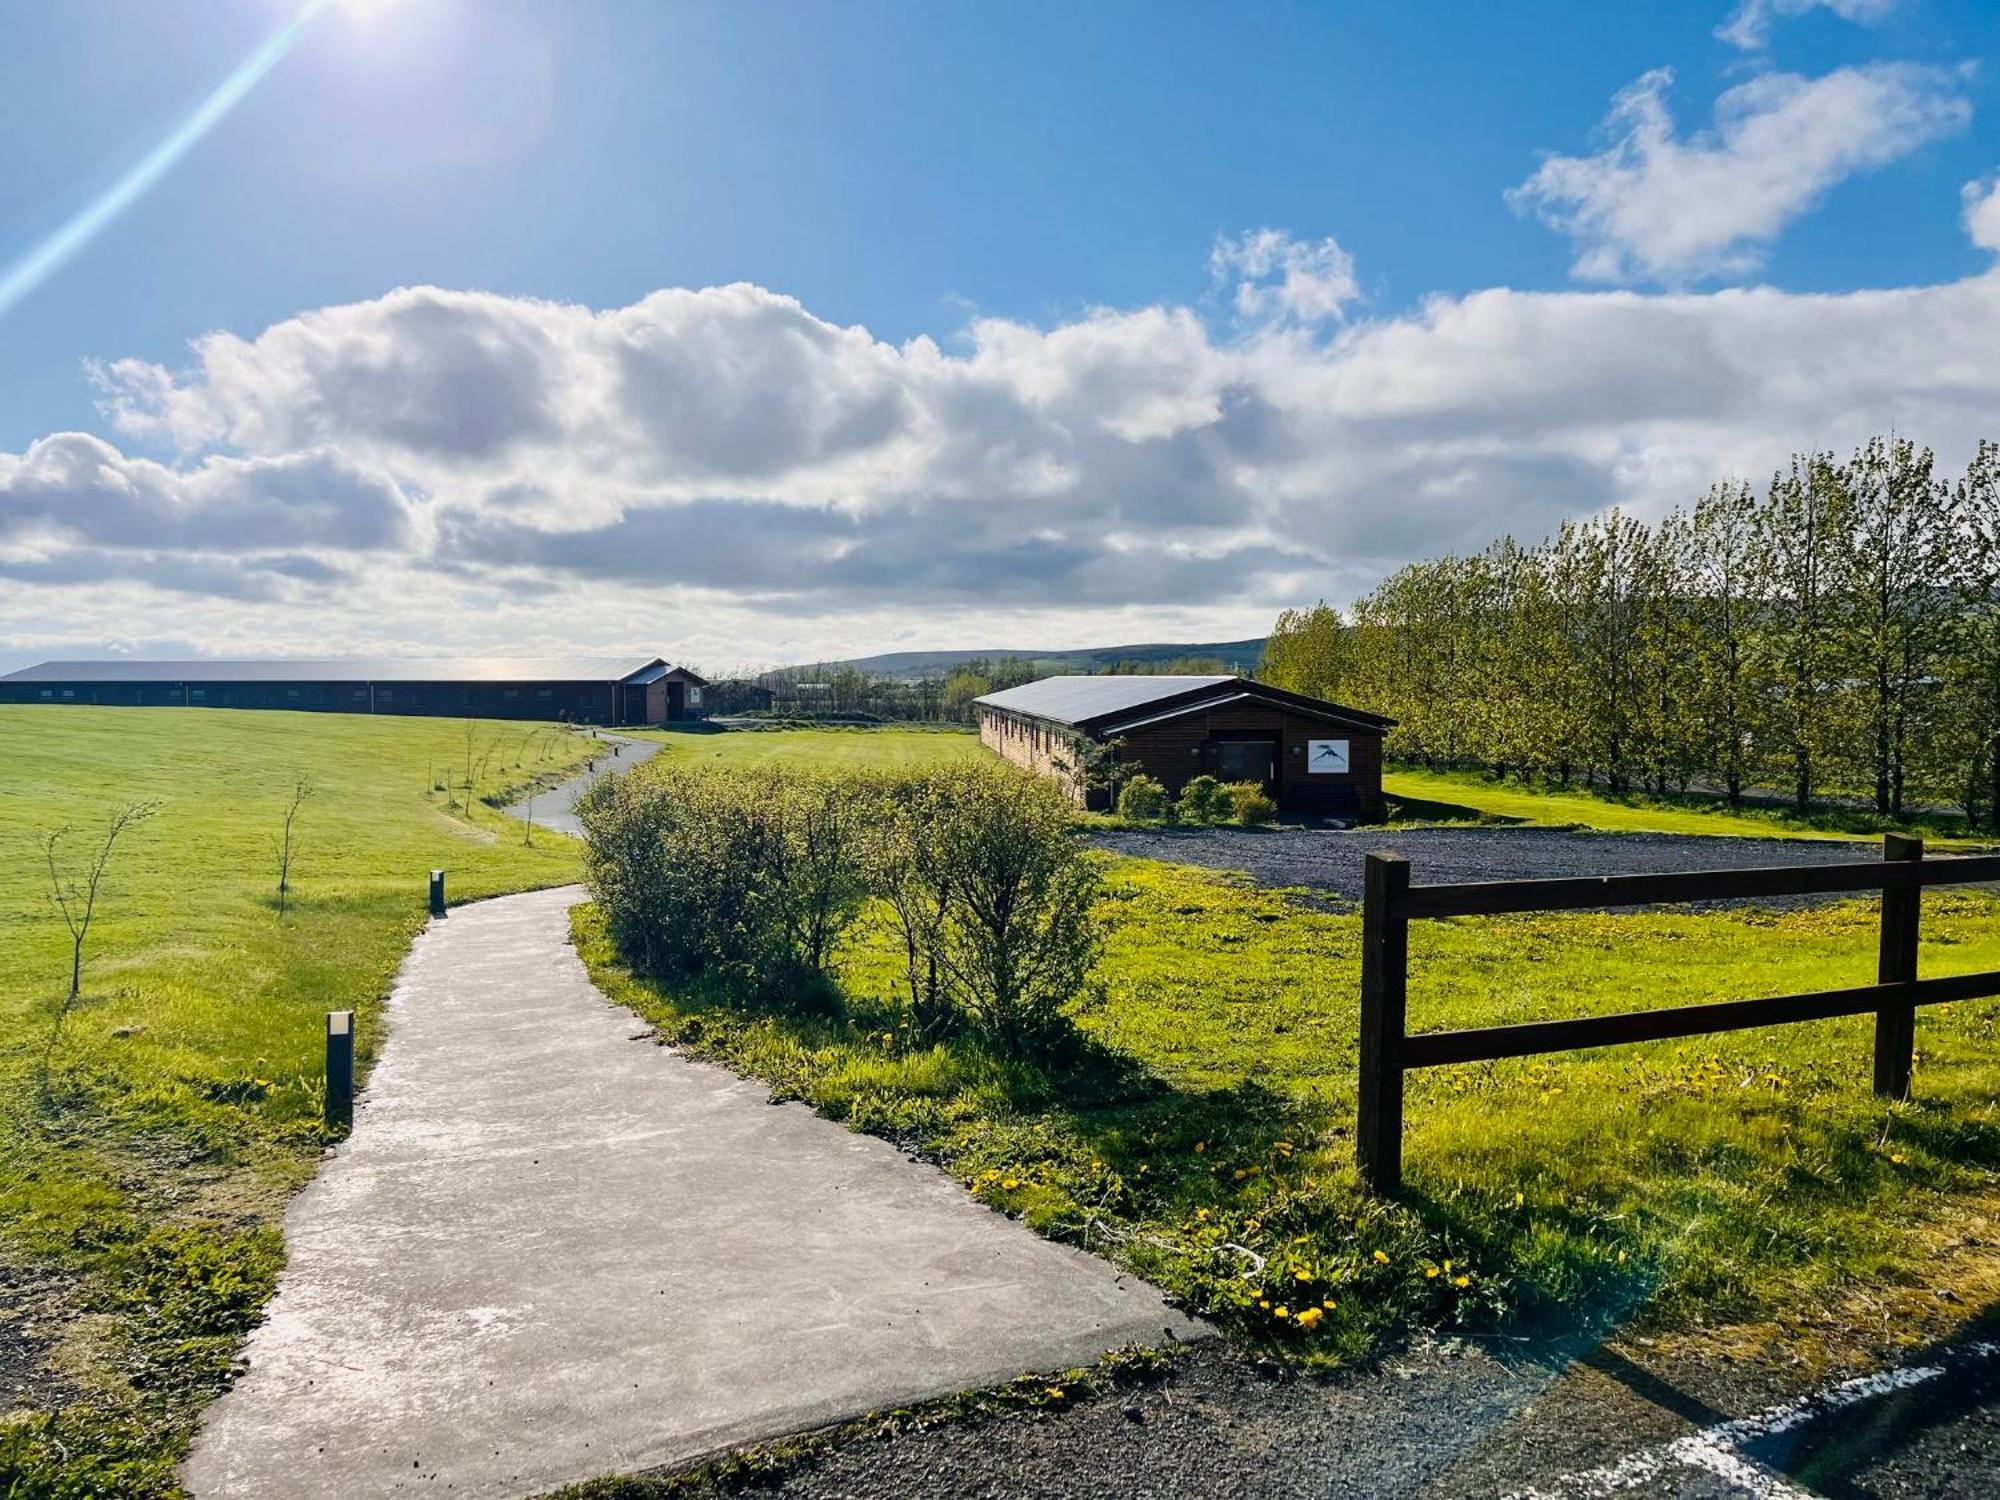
point(554, 809)
point(550, 1251)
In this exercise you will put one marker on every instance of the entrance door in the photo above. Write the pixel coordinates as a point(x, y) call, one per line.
point(1247, 760)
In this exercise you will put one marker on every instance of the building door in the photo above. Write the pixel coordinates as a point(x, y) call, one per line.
point(1248, 760)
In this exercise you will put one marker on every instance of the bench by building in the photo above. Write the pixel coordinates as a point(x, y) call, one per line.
point(1311, 756)
point(583, 690)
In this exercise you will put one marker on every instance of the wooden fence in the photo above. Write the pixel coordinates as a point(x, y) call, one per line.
point(1391, 903)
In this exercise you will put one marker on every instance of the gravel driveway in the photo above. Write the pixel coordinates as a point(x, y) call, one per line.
point(1331, 860)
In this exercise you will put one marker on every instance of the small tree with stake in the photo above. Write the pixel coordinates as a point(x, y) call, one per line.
point(302, 792)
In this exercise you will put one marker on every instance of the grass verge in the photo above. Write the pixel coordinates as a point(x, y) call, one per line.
point(148, 1142)
point(1420, 796)
point(858, 748)
point(1201, 1133)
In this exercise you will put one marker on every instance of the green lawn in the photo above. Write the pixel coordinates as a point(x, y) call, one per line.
point(146, 1152)
point(1420, 796)
point(885, 749)
point(1205, 1139)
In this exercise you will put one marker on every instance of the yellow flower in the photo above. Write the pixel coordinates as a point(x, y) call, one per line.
point(1461, 1281)
point(1056, 1392)
point(1199, 1147)
point(1328, 1302)
point(1381, 1257)
point(1897, 1157)
point(1283, 1312)
point(1517, 1200)
point(1263, 1302)
point(1201, 1213)
point(1309, 1317)
point(1302, 1275)
point(1011, 1183)
point(1430, 1273)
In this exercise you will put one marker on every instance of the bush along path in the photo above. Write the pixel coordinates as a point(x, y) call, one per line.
point(547, 1253)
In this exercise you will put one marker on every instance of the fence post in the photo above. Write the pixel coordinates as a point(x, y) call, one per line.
point(1896, 1025)
point(437, 893)
point(339, 1069)
point(1385, 960)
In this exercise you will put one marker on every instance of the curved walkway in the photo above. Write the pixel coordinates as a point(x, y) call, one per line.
point(552, 1249)
point(554, 809)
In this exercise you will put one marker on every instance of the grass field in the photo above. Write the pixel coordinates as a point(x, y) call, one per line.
point(147, 1148)
point(1205, 1138)
point(891, 748)
point(1420, 796)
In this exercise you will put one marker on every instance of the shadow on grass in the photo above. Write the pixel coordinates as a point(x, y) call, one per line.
point(1401, 809)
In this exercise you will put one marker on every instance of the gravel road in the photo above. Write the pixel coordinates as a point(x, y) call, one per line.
point(1330, 860)
point(1451, 1421)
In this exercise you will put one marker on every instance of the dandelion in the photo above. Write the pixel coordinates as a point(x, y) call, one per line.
point(1302, 1275)
point(1309, 1317)
point(1011, 1183)
point(1461, 1281)
point(1328, 1302)
point(1381, 1257)
point(1517, 1200)
point(1282, 1312)
point(1897, 1157)
point(1430, 1273)
point(1202, 1214)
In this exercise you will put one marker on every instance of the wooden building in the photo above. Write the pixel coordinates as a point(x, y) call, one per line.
point(583, 690)
point(1310, 755)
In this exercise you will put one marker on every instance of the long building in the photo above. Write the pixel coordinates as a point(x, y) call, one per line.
point(582, 690)
point(1310, 755)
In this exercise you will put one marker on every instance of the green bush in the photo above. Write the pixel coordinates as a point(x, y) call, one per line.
point(749, 879)
point(992, 900)
point(1143, 799)
point(746, 877)
point(1203, 800)
point(1249, 803)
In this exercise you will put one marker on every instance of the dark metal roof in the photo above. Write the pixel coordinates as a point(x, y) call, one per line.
point(1077, 700)
point(1107, 705)
point(380, 669)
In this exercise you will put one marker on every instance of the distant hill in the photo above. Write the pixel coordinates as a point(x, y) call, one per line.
point(1242, 656)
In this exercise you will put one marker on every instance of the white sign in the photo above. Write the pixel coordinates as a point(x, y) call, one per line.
point(1328, 757)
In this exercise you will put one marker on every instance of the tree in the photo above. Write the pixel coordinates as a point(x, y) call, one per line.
point(1727, 598)
point(76, 897)
point(1896, 579)
point(1307, 652)
point(1805, 522)
point(302, 793)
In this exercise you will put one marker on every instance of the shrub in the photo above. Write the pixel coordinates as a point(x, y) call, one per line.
point(992, 898)
point(1249, 803)
point(1020, 935)
point(748, 878)
point(1203, 800)
point(1144, 799)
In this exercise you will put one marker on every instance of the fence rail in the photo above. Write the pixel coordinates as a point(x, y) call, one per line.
point(1391, 903)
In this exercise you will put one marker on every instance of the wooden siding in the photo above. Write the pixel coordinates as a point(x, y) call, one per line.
point(1178, 749)
point(579, 702)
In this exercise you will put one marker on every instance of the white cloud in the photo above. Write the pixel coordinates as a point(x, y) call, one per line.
point(721, 475)
point(1276, 276)
point(1654, 206)
point(1982, 212)
point(1749, 25)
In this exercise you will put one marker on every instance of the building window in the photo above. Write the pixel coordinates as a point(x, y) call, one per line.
point(48, 692)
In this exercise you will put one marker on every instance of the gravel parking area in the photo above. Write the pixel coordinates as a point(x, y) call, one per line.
point(1331, 860)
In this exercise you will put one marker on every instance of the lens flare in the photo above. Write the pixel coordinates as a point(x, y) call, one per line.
point(45, 259)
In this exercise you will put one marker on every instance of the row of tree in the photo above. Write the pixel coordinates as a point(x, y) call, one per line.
point(843, 690)
point(1834, 635)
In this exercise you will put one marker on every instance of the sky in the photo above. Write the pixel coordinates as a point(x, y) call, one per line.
point(750, 332)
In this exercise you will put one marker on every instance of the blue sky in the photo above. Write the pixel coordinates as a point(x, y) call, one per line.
point(1057, 201)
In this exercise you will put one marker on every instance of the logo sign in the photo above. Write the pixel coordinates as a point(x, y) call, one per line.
point(1326, 757)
